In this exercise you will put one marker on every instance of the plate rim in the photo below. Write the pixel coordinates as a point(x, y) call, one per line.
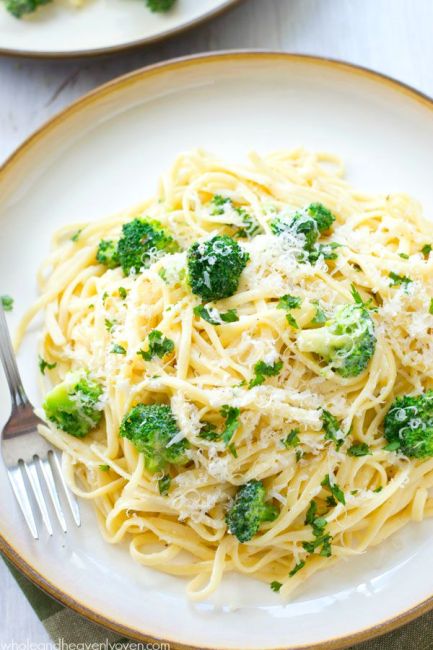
point(94, 96)
point(128, 47)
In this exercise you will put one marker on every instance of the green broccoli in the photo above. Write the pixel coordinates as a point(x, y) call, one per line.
point(249, 510)
point(142, 242)
point(107, 253)
point(215, 266)
point(152, 427)
point(346, 342)
point(310, 222)
point(160, 6)
point(409, 425)
point(19, 8)
point(75, 404)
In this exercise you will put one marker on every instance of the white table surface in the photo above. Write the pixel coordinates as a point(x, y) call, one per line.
point(391, 36)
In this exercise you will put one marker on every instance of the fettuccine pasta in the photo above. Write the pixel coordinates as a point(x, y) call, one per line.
point(253, 400)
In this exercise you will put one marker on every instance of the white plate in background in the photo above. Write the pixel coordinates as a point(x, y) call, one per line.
point(105, 153)
point(99, 26)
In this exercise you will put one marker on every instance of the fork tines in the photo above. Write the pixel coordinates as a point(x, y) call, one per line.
point(29, 470)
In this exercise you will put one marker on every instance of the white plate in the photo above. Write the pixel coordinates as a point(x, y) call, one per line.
point(105, 153)
point(61, 30)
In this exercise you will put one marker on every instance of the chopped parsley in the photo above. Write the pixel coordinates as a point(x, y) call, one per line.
point(332, 429)
point(292, 321)
point(378, 489)
point(359, 449)
point(164, 485)
point(109, 324)
point(159, 346)
point(289, 302)
point(76, 235)
point(327, 251)
point(123, 292)
point(319, 317)
point(118, 349)
point(232, 450)
point(214, 317)
point(276, 586)
point(318, 525)
point(250, 227)
point(104, 468)
point(431, 306)
point(292, 439)
point(300, 565)
point(263, 370)
point(209, 432)
point(404, 256)
point(426, 249)
point(44, 365)
point(335, 489)
point(359, 301)
point(399, 280)
point(231, 415)
point(7, 302)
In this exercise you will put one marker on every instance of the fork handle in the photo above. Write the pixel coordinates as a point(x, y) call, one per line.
point(7, 357)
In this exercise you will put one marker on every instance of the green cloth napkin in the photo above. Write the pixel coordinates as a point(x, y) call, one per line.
point(63, 624)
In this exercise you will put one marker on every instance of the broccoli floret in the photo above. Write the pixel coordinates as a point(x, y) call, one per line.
point(409, 425)
point(142, 242)
point(310, 222)
point(151, 427)
point(160, 6)
point(215, 266)
point(75, 404)
point(19, 8)
point(249, 510)
point(346, 342)
point(107, 253)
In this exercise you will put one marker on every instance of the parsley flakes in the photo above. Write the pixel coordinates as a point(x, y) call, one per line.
point(263, 370)
point(159, 346)
point(44, 365)
point(335, 489)
point(7, 302)
point(332, 429)
point(397, 280)
point(359, 449)
point(212, 316)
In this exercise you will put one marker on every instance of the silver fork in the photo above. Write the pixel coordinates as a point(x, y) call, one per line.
point(25, 452)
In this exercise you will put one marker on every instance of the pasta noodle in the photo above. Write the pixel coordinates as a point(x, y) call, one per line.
point(184, 532)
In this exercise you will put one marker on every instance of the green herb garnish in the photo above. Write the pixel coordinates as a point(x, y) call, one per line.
point(44, 365)
point(263, 370)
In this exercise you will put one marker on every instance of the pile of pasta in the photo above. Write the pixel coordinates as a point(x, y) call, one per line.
point(184, 532)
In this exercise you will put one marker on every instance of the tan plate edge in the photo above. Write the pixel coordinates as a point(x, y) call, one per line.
point(135, 45)
point(5, 547)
